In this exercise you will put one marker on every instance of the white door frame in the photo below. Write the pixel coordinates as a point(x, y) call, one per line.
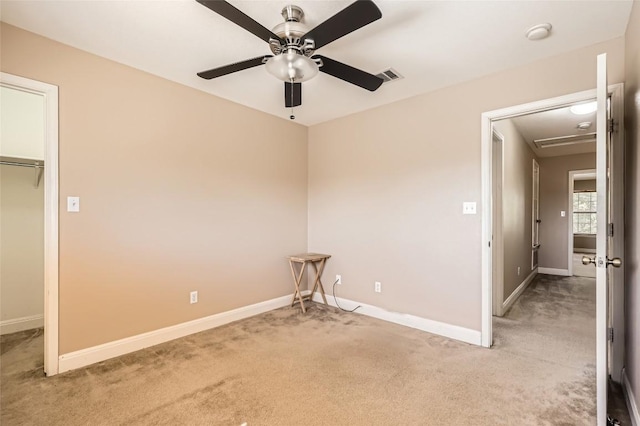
point(616, 293)
point(535, 212)
point(50, 96)
point(497, 237)
point(616, 90)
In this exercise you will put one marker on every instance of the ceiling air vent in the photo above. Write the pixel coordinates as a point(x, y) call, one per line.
point(389, 75)
point(565, 140)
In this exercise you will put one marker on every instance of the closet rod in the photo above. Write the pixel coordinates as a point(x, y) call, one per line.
point(13, 163)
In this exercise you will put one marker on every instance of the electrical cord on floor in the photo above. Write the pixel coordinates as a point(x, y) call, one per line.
point(340, 307)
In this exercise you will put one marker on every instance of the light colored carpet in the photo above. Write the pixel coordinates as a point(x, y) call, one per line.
point(329, 367)
point(580, 270)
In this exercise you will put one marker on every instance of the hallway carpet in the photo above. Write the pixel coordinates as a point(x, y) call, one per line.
point(329, 367)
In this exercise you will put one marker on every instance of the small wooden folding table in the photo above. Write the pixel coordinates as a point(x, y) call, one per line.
point(317, 261)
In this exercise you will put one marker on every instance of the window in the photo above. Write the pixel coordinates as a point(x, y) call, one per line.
point(584, 212)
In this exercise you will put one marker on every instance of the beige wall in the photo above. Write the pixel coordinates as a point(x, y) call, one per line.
point(632, 202)
point(584, 242)
point(554, 198)
point(21, 245)
point(584, 185)
point(179, 191)
point(386, 187)
point(516, 201)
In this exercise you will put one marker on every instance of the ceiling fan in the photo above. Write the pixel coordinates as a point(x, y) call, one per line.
point(293, 46)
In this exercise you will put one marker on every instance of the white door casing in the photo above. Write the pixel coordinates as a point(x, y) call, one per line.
point(535, 213)
point(616, 241)
point(602, 291)
point(50, 95)
point(609, 240)
point(497, 242)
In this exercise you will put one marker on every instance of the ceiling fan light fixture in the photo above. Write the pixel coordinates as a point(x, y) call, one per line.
point(586, 108)
point(292, 67)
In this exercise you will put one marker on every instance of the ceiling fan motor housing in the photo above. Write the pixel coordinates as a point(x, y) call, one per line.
point(291, 31)
point(292, 62)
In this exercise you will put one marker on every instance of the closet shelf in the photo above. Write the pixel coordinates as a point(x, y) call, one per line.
point(38, 166)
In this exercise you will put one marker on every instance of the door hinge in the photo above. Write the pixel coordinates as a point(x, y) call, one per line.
point(610, 334)
point(611, 125)
point(610, 230)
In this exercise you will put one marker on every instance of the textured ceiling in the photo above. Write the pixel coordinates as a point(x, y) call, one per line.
point(433, 44)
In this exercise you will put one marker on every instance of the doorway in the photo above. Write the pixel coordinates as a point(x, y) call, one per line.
point(582, 224)
point(47, 94)
point(616, 299)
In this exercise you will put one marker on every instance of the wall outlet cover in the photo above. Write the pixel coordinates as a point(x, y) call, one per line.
point(469, 207)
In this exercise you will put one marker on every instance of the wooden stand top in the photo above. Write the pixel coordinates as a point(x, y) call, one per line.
point(308, 257)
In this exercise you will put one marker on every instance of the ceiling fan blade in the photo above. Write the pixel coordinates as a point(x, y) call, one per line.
point(226, 10)
point(349, 19)
point(349, 74)
point(235, 67)
point(292, 94)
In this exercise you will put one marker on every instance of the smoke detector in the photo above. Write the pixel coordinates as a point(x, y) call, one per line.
point(539, 32)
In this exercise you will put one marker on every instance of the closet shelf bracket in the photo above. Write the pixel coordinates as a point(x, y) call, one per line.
point(37, 168)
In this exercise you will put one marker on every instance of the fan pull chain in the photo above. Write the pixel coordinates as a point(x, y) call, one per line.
point(292, 117)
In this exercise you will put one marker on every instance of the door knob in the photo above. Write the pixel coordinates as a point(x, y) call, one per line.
point(616, 262)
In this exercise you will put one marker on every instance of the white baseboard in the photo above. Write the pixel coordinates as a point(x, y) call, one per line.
point(84, 357)
point(20, 324)
point(554, 271)
point(435, 327)
point(634, 413)
point(519, 290)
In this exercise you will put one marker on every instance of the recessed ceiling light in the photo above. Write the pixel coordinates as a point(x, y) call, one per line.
point(584, 125)
point(538, 32)
point(582, 109)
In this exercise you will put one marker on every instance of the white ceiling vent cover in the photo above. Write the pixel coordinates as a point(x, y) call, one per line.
point(389, 75)
point(565, 140)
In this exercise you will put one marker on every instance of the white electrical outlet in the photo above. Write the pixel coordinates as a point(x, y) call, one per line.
point(193, 297)
point(518, 270)
point(469, 207)
point(338, 279)
point(378, 287)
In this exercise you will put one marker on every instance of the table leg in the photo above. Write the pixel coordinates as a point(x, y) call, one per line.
point(297, 279)
point(318, 281)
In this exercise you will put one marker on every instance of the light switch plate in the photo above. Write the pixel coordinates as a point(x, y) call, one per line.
point(73, 204)
point(469, 207)
point(562, 213)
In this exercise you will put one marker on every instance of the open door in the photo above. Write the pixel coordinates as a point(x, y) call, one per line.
point(604, 234)
point(535, 214)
